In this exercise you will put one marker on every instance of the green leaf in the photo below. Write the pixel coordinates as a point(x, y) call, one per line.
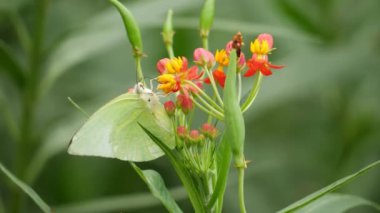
point(127, 203)
point(336, 203)
point(29, 191)
point(223, 155)
point(337, 184)
point(8, 116)
point(2, 209)
point(157, 186)
point(182, 172)
point(10, 65)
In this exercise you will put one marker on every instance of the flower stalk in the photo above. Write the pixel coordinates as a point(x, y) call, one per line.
point(168, 33)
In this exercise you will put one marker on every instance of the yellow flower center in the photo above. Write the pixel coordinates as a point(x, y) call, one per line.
point(260, 47)
point(221, 57)
point(167, 83)
point(174, 65)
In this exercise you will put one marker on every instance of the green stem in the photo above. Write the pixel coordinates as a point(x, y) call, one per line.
point(169, 49)
point(252, 95)
point(210, 111)
point(140, 75)
point(214, 87)
point(241, 189)
point(201, 92)
point(205, 42)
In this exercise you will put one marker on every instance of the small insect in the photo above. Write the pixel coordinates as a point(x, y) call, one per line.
point(114, 131)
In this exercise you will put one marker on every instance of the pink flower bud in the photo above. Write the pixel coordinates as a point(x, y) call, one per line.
point(195, 136)
point(229, 47)
point(185, 103)
point(209, 130)
point(241, 61)
point(266, 37)
point(169, 107)
point(181, 132)
point(204, 57)
point(161, 65)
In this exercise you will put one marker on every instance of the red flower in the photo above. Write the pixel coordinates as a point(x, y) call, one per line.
point(260, 48)
point(261, 65)
point(219, 76)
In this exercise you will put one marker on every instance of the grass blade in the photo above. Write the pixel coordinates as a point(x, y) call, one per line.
point(337, 184)
point(336, 203)
point(29, 191)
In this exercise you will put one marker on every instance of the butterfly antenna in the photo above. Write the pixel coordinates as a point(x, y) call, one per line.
point(78, 107)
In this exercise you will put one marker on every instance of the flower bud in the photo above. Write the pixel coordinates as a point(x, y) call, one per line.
point(209, 131)
point(131, 27)
point(266, 37)
point(170, 107)
point(182, 132)
point(195, 136)
point(207, 17)
point(204, 57)
point(185, 103)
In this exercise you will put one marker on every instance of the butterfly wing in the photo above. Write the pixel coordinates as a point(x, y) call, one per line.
point(130, 142)
point(113, 130)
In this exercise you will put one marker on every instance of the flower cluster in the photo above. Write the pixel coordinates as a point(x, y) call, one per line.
point(175, 75)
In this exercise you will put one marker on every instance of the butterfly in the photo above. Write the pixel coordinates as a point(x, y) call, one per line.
point(114, 131)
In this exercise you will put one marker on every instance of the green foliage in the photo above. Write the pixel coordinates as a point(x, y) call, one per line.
point(157, 186)
point(318, 194)
point(181, 171)
point(336, 203)
point(29, 191)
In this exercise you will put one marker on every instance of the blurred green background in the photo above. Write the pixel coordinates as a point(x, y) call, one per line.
point(315, 121)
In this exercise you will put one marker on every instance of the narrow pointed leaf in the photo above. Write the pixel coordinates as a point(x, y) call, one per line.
point(182, 172)
point(337, 184)
point(337, 203)
point(29, 191)
point(157, 186)
point(224, 155)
